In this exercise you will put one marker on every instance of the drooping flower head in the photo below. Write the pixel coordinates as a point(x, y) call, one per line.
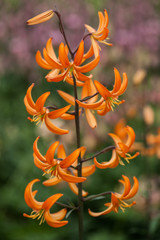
point(111, 97)
point(41, 113)
point(117, 200)
point(58, 168)
point(41, 210)
point(122, 148)
point(101, 34)
point(62, 67)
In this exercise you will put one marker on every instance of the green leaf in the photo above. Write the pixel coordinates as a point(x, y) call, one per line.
point(68, 213)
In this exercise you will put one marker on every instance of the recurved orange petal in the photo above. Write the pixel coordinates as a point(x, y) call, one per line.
point(104, 34)
point(127, 187)
point(131, 136)
point(104, 92)
point(80, 76)
point(69, 178)
point(79, 54)
point(93, 106)
point(67, 116)
point(97, 214)
point(57, 113)
point(40, 102)
point(52, 222)
point(55, 77)
point(115, 138)
point(63, 56)
point(51, 61)
point(52, 181)
point(59, 215)
point(68, 161)
point(106, 18)
point(89, 66)
point(37, 152)
point(88, 170)
point(50, 50)
point(90, 118)
point(29, 96)
point(67, 97)
point(29, 196)
point(38, 163)
point(53, 128)
point(96, 47)
point(29, 109)
point(133, 190)
point(48, 203)
point(41, 61)
point(101, 21)
point(114, 161)
point(89, 53)
point(50, 152)
point(117, 84)
point(61, 152)
point(105, 109)
point(123, 85)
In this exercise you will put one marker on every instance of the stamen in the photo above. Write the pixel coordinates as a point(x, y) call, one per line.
point(39, 215)
point(37, 118)
point(52, 171)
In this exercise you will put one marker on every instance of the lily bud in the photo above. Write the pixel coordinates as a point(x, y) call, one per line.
point(43, 17)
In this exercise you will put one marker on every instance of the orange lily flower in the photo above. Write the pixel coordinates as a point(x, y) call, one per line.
point(62, 68)
point(101, 33)
point(111, 97)
point(41, 113)
point(117, 200)
point(41, 210)
point(89, 105)
point(59, 168)
point(122, 148)
point(42, 17)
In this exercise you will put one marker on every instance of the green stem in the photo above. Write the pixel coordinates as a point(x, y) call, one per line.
point(80, 202)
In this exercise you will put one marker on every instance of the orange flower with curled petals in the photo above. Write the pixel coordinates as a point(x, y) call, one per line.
point(42, 17)
point(41, 210)
point(62, 68)
point(58, 169)
point(117, 200)
point(111, 97)
point(41, 113)
point(122, 148)
point(101, 34)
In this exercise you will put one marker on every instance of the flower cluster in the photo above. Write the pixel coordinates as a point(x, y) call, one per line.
point(74, 68)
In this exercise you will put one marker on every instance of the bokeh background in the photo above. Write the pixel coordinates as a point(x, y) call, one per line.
point(135, 34)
